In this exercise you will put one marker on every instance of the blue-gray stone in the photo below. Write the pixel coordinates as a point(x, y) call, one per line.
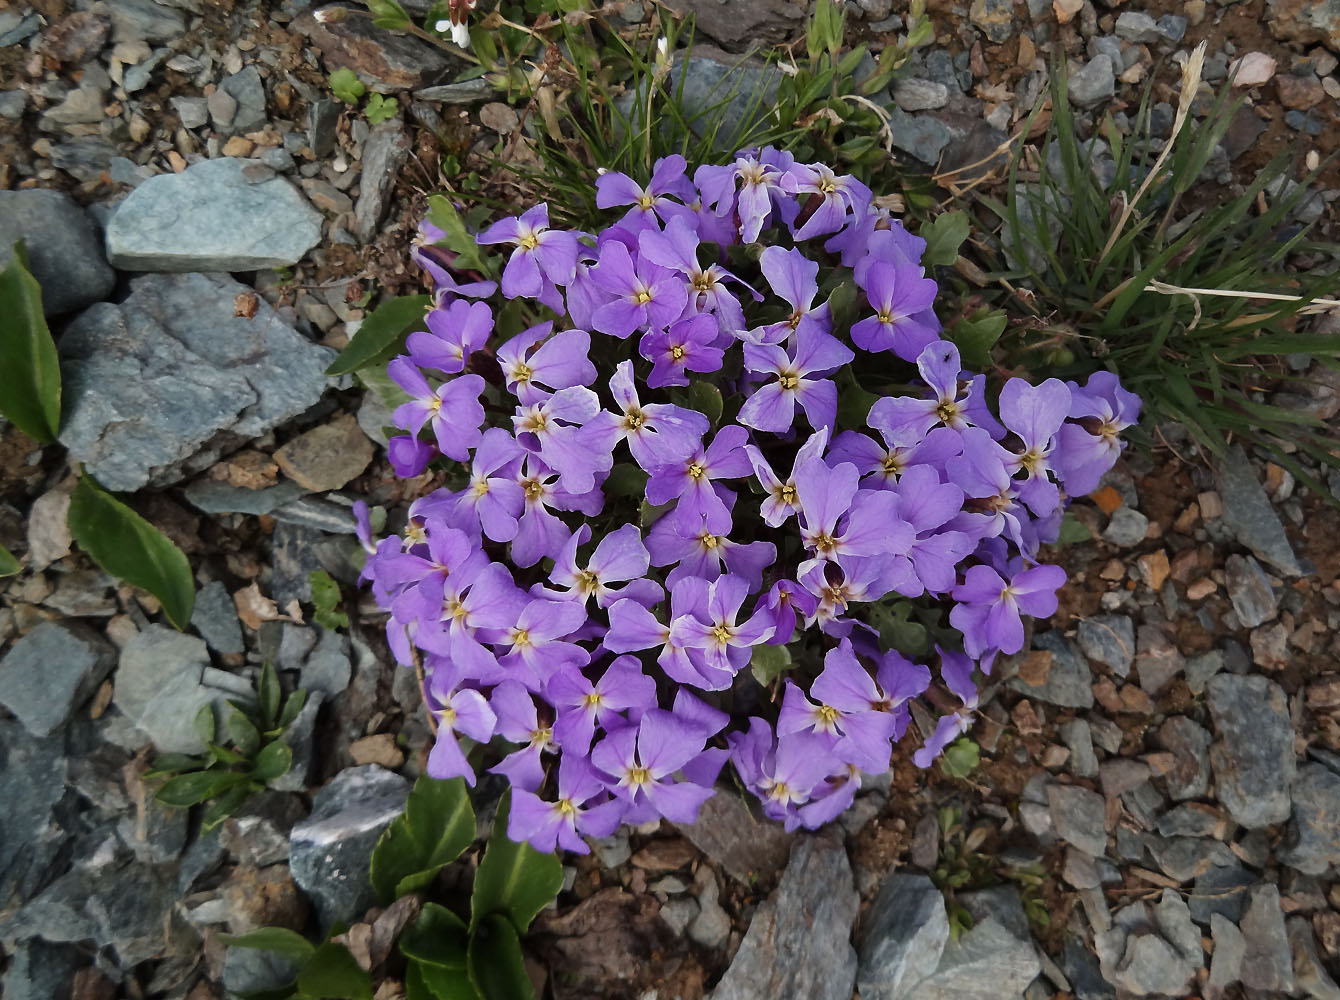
point(52, 670)
point(1253, 758)
point(215, 618)
point(1069, 682)
point(64, 248)
point(1250, 516)
point(902, 937)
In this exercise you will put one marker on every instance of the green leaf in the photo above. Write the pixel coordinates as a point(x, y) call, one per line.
point(8, 564)
point(897, 630)
point(961, 758)
point(172, 763)
point(625, 480)
point(767, 663)
point(388, 14)
point(204, 723)
point(458, 239)
point(129, 547)
point(269, 692)
point(332, 973)
point(345, 84)
point(273, 761)
point(29, 366)
point(292, 707)
point(513, 879)
point(381, 332)
point(436, 826)
point(438, 937)
point(944, 235)
point(224, 755)
point(326, 598)
point(497, 967)
point(431, 982)
point(223, 807)
point(380, 109)
point(976, 335)
point(191, 789)
point(706, 399)
point(279, 940)
point(1073, 530)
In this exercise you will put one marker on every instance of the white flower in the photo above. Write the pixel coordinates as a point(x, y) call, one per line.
point(442, 26)
point(460, 34)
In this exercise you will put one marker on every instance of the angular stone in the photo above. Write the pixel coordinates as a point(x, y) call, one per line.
point(64, 248)
point(245, 88)
point(1189, 744)
point(51, 671)
point(741, 26)
point(995, 958)
point(1221, 890)
point(328, 456)
point(165, 382)
point(1137, 26)
point(41, 971)
point(914, 94)
point(1152, 967)
point(384, 153)
point(211, 217)
point(329, 851)
point(145, 20)
point(129, 909)
point(1251, 517)
point(1079, 740)
point(799, 941)
point(1127, 527)
point(1250, 592)
point(921, 136)
point(215, 618)
point(1229, 948)
point(1253, 759)
point(1093, 83)
point(745, 846)
point(1305, 21)
point(1069, 682)
point(902, 937)
point(385, 61)
point(1157, 660)
point(1313, 844)
point(1109, 640)
point(1310, 975)
point(1267, 963)
point(215, 497)
point(32, 781)
point(995, 18)
point(1173, 919)
point(1079, 817)
point(1187, 858)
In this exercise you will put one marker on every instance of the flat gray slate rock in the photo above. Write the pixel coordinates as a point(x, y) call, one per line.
point(165, 383)
point(64, 248)
point(211, 217)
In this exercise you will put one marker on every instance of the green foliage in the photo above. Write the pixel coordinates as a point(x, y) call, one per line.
point(1143, 276)
point(975, 335)
point(327, 971)
point(767, 663)
point(964, 866)
point(381, 109)
point(29, 368)
point(326, 600)
point(8, 564)
point(129, 547)
point(382, 334)
point(513, 879)
point(961, 758)
point(437, 825)
point(254, 754)
point(944, 235)
point(345, 84)
point(459, 240)
point(388, 14)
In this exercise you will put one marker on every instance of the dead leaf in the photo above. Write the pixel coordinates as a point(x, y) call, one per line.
point(254, 608)
point(1035, 668)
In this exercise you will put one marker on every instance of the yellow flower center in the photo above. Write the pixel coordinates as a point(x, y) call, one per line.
point(642, 297)
point(521, 372)
point(587, 582)
point(779, 792)
point(481, 487)
point(827, 185)
point(592, 700)
point(677, 352)
point(723, 633)
point(696, 471)
point(787, 494)
point(825, 542)
point(639, 776)
point(1030, 460)
point(633, 419)
point(709, 541)
point(564, 807)
point(794, 319)
point(947, 411)
point(530, 241)
point(885, 316)
point(646, 202)
point(892, 464)
point(534, 489)
point(827, 715)
point(788, 381)
point(521, 638)
point(447, 715)
point(701, 281)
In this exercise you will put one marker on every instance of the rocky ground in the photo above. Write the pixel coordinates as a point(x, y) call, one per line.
point(1157, 811)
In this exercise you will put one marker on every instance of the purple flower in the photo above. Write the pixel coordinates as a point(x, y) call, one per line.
point(453, 334)
point(408, 455)
point(471, 616)
point(457, 711)
point(758, 182)
point(843, 520)
point(1086, 449)
point(989, 608)
point(453, 409)
point(494, 500)
point(882, 465)
point(582, 706)
point(581, 809)
point(633, 627)
point(691, 482)
point(541, 255)
point(539, 650)
point(437, 261)
point(533, 370)
point(656, 433)
point(646, 296)
point(848, 718)
point(677, 249)
point(519, 722)
point(539, 533)
point(686, 345)
point(618, 558)
point(787, 605)
point(640, 762)
point(772, 407)
point(703, 554)
point(782, 773)
point(927, 504)
point(956, 672)
point(782, 500)
point(553, 429)
point(839, 197)
point(1035, 414)
point(855, 580)
point(667, 178)
point(794, 277)
point(898, 293)
point(726, 645)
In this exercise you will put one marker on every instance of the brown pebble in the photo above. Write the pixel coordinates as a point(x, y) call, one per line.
point(1300, 93)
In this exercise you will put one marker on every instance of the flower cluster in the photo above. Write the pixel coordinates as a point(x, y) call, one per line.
point(650, 488)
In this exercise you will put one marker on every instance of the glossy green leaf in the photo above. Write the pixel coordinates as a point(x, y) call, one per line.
point(381, 333)
point(130, 548)
point(226, 755)
point(269, 693)
point(1073, 530)
point(437, 825)
point(961, 758)
point(191, 789)
point(204, 723)
point(497, 967)
point(381, 108)
point(513, 879)
point(223, 807)
point(8, 564)
point(458, 239)
point(332, 973)
point(345, 84)
point(273, 761)
point(173, 763)
point(706, 399)
point(279, 940)
point(944, 235)
point(625, 480)
point(431, 982)
point(29, 367)
point(243, 732)
point(292, 707)
point(438, 937)
point(767, 663)
point(975, 336)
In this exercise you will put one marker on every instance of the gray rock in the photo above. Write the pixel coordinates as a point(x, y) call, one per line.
point(387, 62)
point(1199, 670)
point(1250, 591)
point(745, 847)
point(1251, 517)
point(215, 497)
point(64, 248)
point(215, 618)
point(799, 941)
point(161, 683)
point(1126, 528)
point(1109, 640)
point(1191, 819)
point(465, 92)
point(1079, 741)
point(129, 908)
point(1080, 870)
point(32, 780)
point(1310, 975)
point(1157, 660)
point(253, 970)
point(258, 833)
point(613, 850)
point(320, 513)
point(923, 137)
point(1190, 745)
point(1093, 83)
point(1253, 759)
point(154, 833)
point(294, 557)
point(41, 971)
point(1122, 775)
point(679, 913)
point(1079, 817)
point(995, 18)
point(1173, 919)
point(742, 26)
point(1081, 967)
point(329, 851)
point(211, 217)
point(193, 111)
point(1186, 858)
point(328, 669)
point(82, 106)
point(915, 94)
point(1069, 682)
point(384, 154)
point(1222, 890)
point(13, 102)
point(301, 737)
point(1139, 27)
point(51, 671)
point(245, 88)
point(1152, 967)
point(165, 382)
point(711, 927)
point(145, 20)
point(1172, 27)
point(1267, 963)
point(902, 937)
point(322, 118)
point(1229, 948)
point(1313, 845)
point(995, 959)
